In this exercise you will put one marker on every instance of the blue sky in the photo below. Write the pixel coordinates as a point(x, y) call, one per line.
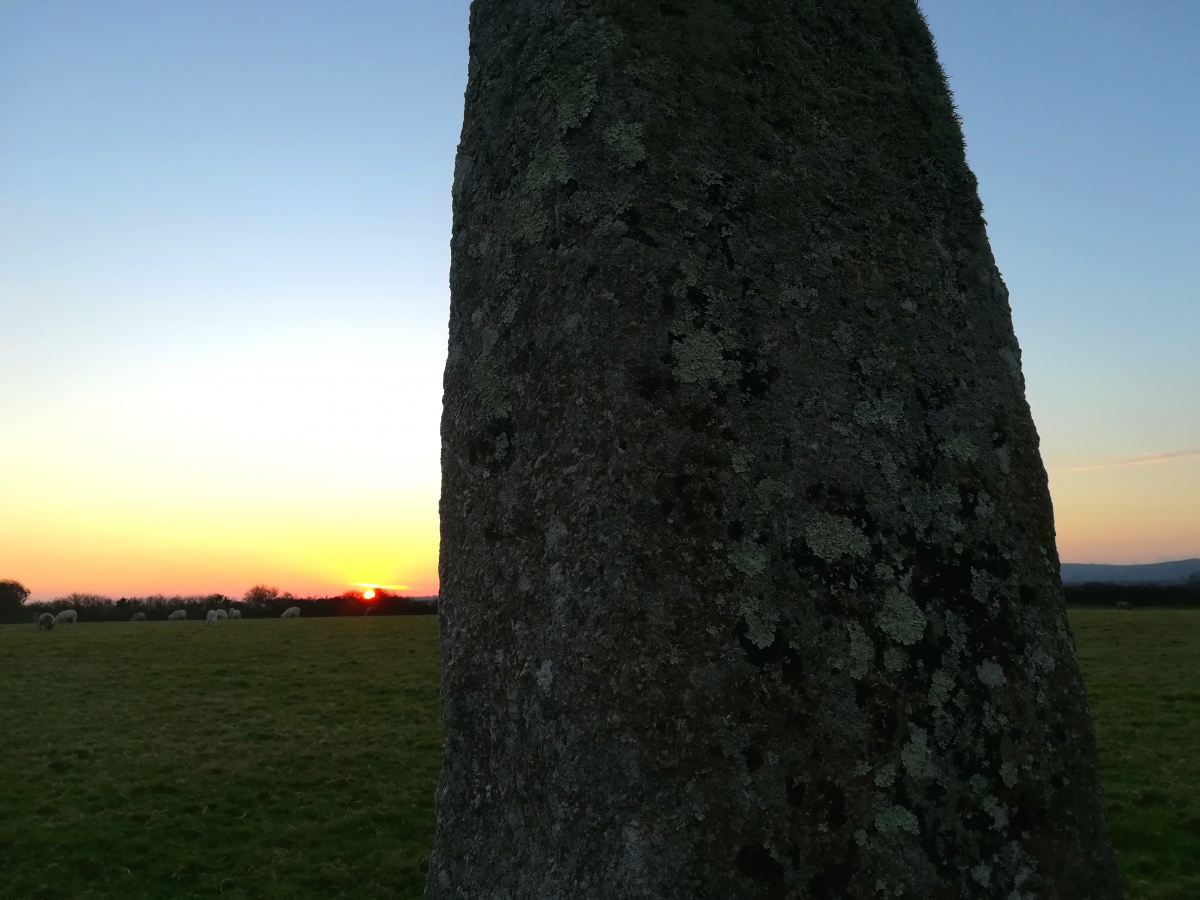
point(223, 262)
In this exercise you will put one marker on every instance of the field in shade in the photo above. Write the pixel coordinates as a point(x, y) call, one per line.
point(257, 759)
point(271, 759)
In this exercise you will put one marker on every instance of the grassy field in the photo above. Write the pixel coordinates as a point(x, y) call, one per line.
point(268, 759)
point(259, 759)
point(1142, 671)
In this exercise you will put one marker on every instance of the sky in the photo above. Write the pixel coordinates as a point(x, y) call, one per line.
point(224, 247)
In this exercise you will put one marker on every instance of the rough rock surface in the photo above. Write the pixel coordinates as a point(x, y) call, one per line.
point(748, 577)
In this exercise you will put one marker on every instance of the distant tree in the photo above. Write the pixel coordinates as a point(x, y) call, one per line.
point(1194, 578)
point(13, 595)
point(261, 593)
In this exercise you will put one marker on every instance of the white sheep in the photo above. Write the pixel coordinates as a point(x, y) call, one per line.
point(66, 617)
point(221, 614)
point(138, 617)
point(235, 614)
point(292, 612)
point(178, 616)
point(45, 620)
point(211, 618)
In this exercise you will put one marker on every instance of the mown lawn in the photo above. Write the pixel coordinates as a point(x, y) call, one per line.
point(268, 759)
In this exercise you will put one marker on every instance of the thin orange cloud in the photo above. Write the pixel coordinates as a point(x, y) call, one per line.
point(1135, 461)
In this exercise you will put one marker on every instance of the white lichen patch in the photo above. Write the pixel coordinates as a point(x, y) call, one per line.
point(885, 776)
point(508, 314)
point(555, 533)
point(1008, 774)
point(901, 619)
point(998, 813)
point(698, 358)
point(897, 818)
point(983, 874)
point(761, 619)
point(832, 537)
point(626, 142)
point(748, 558)
point(545, 676)
point(1042, 660)
point(991, 674)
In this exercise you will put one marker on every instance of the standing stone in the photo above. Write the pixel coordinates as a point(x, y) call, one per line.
point(748, 578)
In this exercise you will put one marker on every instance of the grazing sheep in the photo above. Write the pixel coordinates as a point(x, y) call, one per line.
point(211, 618)
point(1121, 604)
point(138, 617)
point(221, 614)
point(66, 617)
point(292, 612)
point(235, 614)
point(45, 620)
point(178, 616)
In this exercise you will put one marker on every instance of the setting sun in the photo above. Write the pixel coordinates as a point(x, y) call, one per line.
point(369, 594)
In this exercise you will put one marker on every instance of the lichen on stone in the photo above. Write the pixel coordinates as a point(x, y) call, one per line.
point(574, 92)
point(915, 754)
point(894, 659)
point(549, 167)
point(960, 448)
point(991, 674)
point(698, 358)
point(897, 818)
point(490, 388)
point(748, 558)
point(625, 139)
point(545, 676)
point(940, 689)
point(833, 537)
point(881, 413)
point(982, 584)
point(901, 619)
point(861, 653)
point(761, 620)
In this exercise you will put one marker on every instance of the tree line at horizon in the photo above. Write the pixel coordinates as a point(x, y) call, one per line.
point(260, 601)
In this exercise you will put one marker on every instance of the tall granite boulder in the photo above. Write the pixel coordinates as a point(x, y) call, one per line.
point(748, 577)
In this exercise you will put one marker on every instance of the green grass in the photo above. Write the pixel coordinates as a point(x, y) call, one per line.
point(1142, 671)
point(259, 759)
point(268, 759)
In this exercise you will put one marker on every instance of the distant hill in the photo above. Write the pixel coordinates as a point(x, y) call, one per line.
point(1174, 572)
